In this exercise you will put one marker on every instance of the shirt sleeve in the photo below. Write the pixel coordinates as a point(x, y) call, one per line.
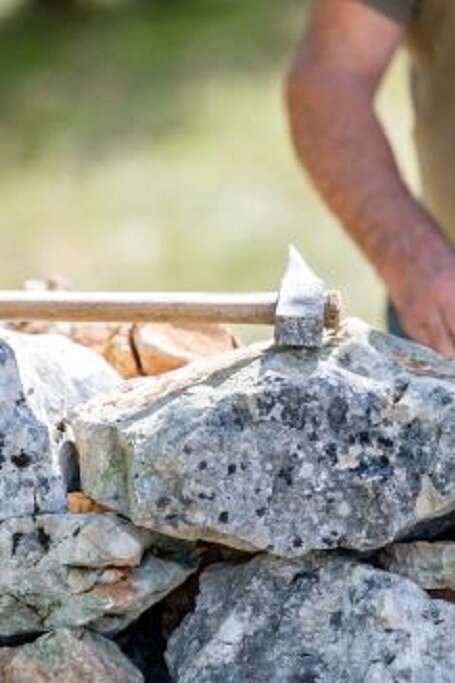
point(403, 11)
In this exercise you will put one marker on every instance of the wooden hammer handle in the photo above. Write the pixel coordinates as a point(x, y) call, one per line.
point(137, 307)
point(251, 309)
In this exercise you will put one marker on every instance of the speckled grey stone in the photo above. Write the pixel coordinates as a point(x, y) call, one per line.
point(281, 450)
point(81, 570)
point(323, 619)
point(67, 656)
point(42, 378)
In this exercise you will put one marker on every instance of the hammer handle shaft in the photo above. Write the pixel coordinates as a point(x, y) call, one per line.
point(138, 307)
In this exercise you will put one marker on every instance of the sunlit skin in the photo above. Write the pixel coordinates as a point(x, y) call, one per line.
point(339, 139)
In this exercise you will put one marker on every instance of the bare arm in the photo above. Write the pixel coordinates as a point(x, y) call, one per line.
point(331, 90)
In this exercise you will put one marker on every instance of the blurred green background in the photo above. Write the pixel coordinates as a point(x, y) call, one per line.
point(144, 145)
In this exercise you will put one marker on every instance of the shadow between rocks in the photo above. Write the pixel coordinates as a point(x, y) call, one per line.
point(144, 644)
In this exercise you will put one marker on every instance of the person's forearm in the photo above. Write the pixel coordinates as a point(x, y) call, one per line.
point(340, 141)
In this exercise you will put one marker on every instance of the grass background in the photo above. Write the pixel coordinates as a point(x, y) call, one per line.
point(144, 146)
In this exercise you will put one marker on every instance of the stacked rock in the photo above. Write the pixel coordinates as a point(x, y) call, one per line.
point(329, 474)
point(78, 578)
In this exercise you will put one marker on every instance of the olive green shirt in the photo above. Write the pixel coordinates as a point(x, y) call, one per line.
point(431, 41)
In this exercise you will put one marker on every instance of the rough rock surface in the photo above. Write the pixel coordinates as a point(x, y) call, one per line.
point(430, 565)
point(78, 570)
point(67, 656)
point(281, 450)
point(41, 379)
point(321, 619)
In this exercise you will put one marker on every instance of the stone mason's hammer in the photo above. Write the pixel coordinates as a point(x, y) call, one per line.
point(299, 311)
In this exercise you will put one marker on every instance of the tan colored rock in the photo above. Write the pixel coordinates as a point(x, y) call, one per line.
point(67, 656)
point(79, 504)
point(95, 335)
point(146, 349)
point(120, 352)
point(164, 347)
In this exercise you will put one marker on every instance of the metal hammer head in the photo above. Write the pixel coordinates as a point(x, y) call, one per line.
point(304, 306)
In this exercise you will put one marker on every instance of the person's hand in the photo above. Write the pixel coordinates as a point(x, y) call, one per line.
point(424, 295)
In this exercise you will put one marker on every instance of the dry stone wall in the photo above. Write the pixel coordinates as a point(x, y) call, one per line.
point(262, 515)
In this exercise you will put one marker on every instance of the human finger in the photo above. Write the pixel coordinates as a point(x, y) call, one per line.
point(417, 330)
point(439, 335)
